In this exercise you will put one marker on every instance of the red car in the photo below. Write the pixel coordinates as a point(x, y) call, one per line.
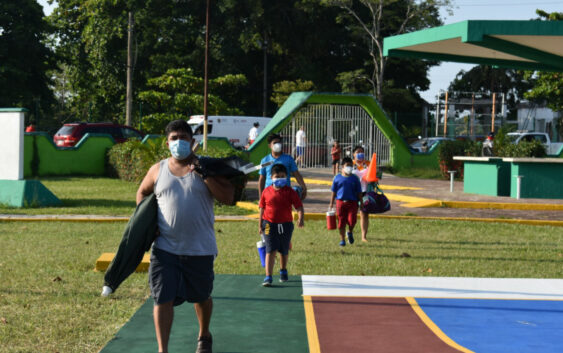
point(70, 134)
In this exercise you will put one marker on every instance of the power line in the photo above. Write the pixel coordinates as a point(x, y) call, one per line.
point(512, 4)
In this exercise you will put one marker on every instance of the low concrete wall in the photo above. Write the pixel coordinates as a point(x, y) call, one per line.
point(541, 178)
point(88, 157)
point(485, 176)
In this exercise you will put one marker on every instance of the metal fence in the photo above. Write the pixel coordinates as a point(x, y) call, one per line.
point(349, 124)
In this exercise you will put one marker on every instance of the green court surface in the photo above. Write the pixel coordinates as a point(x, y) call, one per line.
point(246, 318)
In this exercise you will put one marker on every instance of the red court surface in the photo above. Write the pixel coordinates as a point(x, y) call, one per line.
point(433, 314)
point(373, 325)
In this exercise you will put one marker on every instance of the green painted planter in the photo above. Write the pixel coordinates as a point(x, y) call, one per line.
point(486, 176)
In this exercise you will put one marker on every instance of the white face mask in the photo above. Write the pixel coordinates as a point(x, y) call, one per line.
point(277, 147)
point(347, 170)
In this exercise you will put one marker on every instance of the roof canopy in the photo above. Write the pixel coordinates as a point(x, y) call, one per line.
point(526, 45)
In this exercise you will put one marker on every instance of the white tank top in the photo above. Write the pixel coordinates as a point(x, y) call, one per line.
point(185, 214)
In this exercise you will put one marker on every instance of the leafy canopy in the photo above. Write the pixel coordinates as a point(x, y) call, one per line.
point(179, 93)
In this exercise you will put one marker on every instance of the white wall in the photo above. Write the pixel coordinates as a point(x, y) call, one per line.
point(11, 145)
point(526, 117)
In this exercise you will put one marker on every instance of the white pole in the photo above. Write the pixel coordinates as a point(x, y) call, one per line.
point(518, 186)
point(452, 172)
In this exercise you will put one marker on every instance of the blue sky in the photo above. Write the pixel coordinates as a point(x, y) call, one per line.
point(441, 76)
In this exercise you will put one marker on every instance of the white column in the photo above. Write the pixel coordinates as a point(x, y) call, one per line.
point(11, 143)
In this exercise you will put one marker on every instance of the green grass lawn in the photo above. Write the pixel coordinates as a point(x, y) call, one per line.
point(95, 196)
point(49, 293)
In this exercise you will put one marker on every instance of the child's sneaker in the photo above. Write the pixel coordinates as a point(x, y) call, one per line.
point(350, 237)
point(267, 281)
point(342, 243)
point(283, 276)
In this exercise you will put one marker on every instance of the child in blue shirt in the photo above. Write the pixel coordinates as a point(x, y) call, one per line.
point(347, 190)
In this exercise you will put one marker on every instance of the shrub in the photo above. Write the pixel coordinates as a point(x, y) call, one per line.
point(449, 149)
point(504, 147)
point(131, 160)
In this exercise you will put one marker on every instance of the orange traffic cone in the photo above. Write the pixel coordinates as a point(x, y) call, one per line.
point(371, 177)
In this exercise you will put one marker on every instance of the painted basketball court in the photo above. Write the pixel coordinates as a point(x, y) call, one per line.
point(367, 314)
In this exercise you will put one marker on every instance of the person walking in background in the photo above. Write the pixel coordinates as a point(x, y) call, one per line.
point(300, 143)
point(347, 191)
point(335, 153)
point(278, 157)
point(181, 264)
point(276, 221)
point(253, 133)
point(361, 166)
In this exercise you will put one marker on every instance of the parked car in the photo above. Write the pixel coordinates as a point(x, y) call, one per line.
point(424, 144)
point(550, 147)
point(69, 134)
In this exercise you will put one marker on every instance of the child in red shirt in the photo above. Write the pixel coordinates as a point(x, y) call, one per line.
point(335, 152)
point(276, 221)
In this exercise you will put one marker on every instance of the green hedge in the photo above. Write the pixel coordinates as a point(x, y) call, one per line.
point(449, 149)
point(131, 160)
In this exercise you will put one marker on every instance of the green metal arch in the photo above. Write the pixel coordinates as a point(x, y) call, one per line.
point(400, 154)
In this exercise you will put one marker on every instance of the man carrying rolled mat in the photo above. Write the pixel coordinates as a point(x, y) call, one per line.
point(181, 267)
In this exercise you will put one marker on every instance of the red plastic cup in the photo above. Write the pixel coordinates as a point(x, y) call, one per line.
point(331, 220)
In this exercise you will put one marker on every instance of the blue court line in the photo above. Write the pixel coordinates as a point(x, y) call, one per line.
point(492, 326)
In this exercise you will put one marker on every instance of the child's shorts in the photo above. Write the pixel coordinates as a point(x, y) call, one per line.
point(347, 212)
point(277, 236)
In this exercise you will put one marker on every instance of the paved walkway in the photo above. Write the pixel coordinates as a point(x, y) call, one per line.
point(401, 192)
point(319, 197)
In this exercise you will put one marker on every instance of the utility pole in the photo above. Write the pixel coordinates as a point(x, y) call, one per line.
point(493, 113)
point(205, 79)
point(446, 116)
point(265, 84)
point(129, 99)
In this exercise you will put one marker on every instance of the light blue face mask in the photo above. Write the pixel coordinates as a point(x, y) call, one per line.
point(279, 182)
point(180, 149)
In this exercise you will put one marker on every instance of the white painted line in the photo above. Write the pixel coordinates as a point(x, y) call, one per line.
point(434, 287)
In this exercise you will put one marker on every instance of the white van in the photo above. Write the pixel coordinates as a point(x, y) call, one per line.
point(233, 128)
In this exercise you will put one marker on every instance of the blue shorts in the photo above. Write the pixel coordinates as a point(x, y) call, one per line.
point(180, 278)
point(299, 150)
point(277, 236)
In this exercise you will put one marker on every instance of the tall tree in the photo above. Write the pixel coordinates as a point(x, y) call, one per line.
point(25, 57)
point(373, 20)
point(178, 94)
point(548, 86)
point(304, 41)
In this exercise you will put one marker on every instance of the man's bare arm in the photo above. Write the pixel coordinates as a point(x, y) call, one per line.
point(301, 183)
point(147, 185)
point(261, 185)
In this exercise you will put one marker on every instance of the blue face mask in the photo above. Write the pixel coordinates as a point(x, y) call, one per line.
point(279, 182)
point(360, 156)
point(180, 149)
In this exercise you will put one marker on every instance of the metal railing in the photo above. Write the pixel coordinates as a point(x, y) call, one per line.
point(323, 123)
